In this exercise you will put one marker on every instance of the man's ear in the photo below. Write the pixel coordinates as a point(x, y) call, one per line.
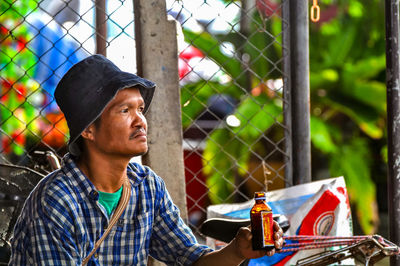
point(88, 133)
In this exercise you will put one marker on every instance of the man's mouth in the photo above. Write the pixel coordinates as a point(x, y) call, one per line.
point(141, 132)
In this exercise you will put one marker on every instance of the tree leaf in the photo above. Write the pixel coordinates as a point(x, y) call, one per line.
point(256, 115)
point(219, 164)
point(364, 68)
point(194, 98)
point(365, 117)
point(321, 136)
point(372, 93)
point(353, 161)
point(211, 47)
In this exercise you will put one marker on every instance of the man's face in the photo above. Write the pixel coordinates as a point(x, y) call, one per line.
point(122, 129)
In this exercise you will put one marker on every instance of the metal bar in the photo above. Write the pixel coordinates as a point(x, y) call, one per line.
point(300, 91)
point(101, 27)
point(393, 117)
point(286, 93)
point(245, 27)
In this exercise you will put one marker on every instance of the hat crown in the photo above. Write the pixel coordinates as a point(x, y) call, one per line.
point(88, 75)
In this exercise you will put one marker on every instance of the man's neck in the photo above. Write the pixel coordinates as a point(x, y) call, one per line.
point(107, 173)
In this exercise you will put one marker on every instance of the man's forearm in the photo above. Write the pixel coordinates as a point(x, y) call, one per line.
point(225, 256)
point(239, 249)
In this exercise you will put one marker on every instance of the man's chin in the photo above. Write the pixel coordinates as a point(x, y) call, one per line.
point(140, 153)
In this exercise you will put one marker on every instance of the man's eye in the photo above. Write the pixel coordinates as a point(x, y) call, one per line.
point(125, 110)
point(141, 109)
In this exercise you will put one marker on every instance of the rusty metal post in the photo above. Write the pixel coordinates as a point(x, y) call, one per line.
point(393, 117)
point(245, 27)
point(300, 91)
point(101, 27)
point(287, 111)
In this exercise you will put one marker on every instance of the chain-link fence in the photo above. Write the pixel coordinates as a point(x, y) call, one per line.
point(231, 77)
point(232, 100)
point(40, 41)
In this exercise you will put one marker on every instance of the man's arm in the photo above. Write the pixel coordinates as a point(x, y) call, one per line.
point(172, 241)
point(239, 249)
point(44, 233)
point(41, 243)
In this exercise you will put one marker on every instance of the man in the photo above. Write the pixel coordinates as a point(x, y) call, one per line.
point(70, 209)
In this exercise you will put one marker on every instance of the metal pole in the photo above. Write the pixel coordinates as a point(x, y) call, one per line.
point(101, 27)
point(245, 24)
point(287, 112)
point(393, 117)
point(300, 91)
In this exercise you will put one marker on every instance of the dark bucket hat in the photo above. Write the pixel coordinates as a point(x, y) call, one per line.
point(85, 90)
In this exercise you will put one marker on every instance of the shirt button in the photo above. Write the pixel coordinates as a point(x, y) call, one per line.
point(96, 255)
point(120, 222)
point(94, 194)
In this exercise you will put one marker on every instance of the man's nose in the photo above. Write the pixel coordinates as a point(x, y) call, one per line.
point(139, 120)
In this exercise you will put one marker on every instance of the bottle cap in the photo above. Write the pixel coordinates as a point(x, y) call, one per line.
point(259, 196)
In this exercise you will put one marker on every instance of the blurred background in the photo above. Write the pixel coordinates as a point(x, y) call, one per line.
point(232, 80)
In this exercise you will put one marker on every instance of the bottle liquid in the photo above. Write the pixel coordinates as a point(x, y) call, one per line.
point(262, 227)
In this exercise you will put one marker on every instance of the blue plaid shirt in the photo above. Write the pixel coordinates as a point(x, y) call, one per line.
point(62, 219)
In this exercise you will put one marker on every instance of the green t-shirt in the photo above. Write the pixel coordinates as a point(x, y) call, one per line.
point(110, 200)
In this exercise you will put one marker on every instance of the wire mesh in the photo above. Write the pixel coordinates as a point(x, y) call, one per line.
point(232, 100)
point(231, 79)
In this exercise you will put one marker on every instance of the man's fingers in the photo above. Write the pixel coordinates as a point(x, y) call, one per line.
point(278, 236)
point(279, 244)
point(271, 252)
point(277, 228)
point(245, 232)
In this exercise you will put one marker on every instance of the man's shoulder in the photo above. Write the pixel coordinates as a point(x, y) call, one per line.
point(142, 174)
point(51, 204)
point(55, 188)
point(139, 168)
point(56, 181)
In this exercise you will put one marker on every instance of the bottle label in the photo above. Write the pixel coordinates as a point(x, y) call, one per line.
point(267, 228)
point(260, 198)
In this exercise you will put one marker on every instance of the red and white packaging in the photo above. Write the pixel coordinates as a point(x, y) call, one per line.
point(316, 208)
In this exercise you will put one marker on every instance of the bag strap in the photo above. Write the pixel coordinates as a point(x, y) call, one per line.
point(126, 194)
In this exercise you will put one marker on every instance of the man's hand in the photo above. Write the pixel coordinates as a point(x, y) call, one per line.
point(240, 248)
point(243, 243)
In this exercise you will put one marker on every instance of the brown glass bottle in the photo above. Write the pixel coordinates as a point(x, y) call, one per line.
point(262, 227)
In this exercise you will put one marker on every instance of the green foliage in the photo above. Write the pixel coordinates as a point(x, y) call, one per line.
point(353, 161)
point(210, 46)
point(17, 115)
point(194, 97)
point(15, 9)
point(321, 135)
point(219, 159)
point(228, 149)
point(348, 99)
point(353, 103)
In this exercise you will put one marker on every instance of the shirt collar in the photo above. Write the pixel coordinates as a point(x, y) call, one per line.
point(135, 173)
point(82, 183)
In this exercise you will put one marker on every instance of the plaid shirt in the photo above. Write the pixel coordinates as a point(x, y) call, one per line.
point(62, 219)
